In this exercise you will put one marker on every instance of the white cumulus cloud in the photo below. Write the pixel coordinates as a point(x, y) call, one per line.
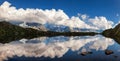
point(59, 17)
point(101, 22)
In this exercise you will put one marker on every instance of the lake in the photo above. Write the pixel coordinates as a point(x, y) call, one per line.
point(61, 48)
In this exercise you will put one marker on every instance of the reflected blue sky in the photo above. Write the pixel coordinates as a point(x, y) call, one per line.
point(60, 47)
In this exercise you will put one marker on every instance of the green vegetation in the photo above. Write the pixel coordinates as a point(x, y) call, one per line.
point(113, 33)
point(108, 33)
point(10, 32)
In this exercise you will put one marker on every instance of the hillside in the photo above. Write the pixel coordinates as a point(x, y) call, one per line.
point(10, 32)
point(115, 32)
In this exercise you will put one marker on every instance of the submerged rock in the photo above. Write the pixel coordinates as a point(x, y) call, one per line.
point(108, 52)
point(115, 56)
point(85, 53)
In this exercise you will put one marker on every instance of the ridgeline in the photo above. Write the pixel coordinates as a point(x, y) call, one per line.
point(113, 33)
point(10, 32)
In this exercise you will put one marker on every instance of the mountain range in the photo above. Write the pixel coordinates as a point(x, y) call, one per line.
point(53, 27)
point(10, 32)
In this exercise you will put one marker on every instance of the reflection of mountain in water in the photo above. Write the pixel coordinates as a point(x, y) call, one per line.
point(54, 46)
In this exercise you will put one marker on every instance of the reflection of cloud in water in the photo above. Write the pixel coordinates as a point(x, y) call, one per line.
point(54, 46)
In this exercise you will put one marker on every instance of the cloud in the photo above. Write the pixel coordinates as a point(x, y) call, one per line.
point(55, 47)
point(101, 22)
point(59, 17)
point(83, 16)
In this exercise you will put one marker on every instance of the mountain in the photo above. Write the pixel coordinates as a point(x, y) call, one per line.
point(53, 27)
point(57, 28)
point(10, 29)
point(11, 32)
point(37, 26)
point(84, 30)
point(113, 32)
point(116, 30)
point(63, 28)
point(33, 25)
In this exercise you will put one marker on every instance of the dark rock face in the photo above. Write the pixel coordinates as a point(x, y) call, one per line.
point(108, 33)
point(115, 32)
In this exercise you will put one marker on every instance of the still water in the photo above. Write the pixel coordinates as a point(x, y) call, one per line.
point(61, 48)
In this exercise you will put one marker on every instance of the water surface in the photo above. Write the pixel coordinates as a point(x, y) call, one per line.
point(61, 48)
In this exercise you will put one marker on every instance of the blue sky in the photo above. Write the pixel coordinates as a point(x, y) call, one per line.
point(108, 8)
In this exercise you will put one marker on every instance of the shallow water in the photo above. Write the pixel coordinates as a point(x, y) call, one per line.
point(61, 48)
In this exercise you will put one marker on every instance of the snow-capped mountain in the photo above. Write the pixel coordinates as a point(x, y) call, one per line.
point(85, 30)
point(33, 25)
point(57, 28)
point(52, 27)
point(62, 28)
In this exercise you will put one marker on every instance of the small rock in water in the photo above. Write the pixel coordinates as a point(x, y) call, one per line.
point(108, 52)
point(85, 53)
point(115, 56)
